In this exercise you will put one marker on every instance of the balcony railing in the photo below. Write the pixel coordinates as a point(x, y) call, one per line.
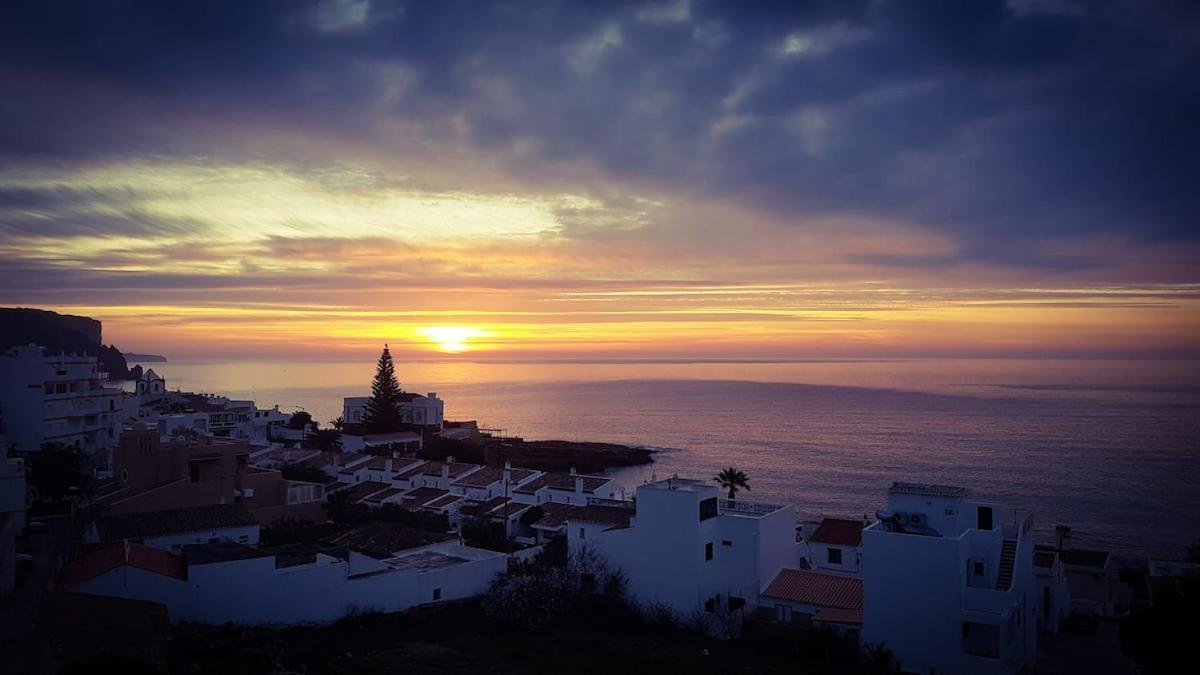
point(1018, 523)
point(739, 507)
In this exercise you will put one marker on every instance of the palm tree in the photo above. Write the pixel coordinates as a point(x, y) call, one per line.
point(733, 480)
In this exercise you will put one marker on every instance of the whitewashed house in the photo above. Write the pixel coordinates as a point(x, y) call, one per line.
point(948, 582)
point(836, 545)
point(554, 487)
point(489, 482)
point(60, 399)
point(219, 583)
point(1053, 591)
point(421, 411)
point(691, 550)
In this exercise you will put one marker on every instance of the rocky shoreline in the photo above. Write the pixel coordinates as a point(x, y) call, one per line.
point(559, 455)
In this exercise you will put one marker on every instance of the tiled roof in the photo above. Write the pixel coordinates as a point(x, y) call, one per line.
point(351, 459)
point(494, 474)
point(383, 540)
point(839, 532)
point(111, 557)
point(115, 527)
point(360, 491)
point(562, 481)
point(394, 437)
point(456, 468)
point(817, 588)
point(412, 471)
point(442, 502)
point(422, 496)
point(557, 515)
point(385, 494)
point(495, 507)
point(927, 490)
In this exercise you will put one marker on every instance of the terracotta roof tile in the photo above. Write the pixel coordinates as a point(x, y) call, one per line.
point(839, 532)
point(817, 588)
point(108, 558)
point(114, 527)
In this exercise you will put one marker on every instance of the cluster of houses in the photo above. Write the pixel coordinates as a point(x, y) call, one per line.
point(949, 583)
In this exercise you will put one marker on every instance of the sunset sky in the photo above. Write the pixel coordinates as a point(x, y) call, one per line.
point(590, 180)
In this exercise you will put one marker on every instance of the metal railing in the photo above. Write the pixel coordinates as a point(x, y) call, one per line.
point(747, 508)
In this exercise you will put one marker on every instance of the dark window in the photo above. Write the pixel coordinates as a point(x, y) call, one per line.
point(985, 518)
point(437, 594)
point(835, 555)
point(581, 533)
point(978, 568)
point(1046, 602)
point(708, 508)
point(726, 542)
point(708, 551)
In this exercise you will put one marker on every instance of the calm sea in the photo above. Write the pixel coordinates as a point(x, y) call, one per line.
point(1109, 447)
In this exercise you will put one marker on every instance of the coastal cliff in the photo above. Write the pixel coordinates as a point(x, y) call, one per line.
point(60, 333)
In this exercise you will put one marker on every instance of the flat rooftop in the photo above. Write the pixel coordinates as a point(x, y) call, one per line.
point(424, 561)
point(927, 490)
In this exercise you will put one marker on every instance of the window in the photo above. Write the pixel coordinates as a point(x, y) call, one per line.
point(984, 521)
point(244, 539)
point(582, 533)
point(978, 568)
point(708, 508)
point(726, 542)
point(708, 551)
point(124, 475)
point(834, 555)
point(437, 594)
point(783, 614)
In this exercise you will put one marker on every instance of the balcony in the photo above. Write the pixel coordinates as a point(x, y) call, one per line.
point(738, 507)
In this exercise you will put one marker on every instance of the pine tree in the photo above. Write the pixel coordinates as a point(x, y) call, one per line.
point(383, 408)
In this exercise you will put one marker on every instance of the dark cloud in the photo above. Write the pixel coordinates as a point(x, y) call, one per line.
point(970, 118)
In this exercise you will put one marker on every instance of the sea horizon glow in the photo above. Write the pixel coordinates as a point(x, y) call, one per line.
point(641, 181)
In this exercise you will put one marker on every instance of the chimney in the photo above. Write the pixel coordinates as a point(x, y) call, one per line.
point(578, 485)
point(507, 472)
point(387, 465)
point(446, 468)
point(572, 471)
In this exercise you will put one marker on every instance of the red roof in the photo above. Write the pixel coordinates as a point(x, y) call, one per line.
point(422, 496)
point(490, 475)
point(111, 557)
point(839, 532)
point(817, 588)
point(562, 481)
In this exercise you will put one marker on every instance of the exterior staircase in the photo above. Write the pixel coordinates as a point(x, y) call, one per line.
point(1008, 555)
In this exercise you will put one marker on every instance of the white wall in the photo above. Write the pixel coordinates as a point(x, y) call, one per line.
point(255, 592)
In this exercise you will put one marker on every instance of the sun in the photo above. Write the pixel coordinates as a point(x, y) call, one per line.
point(451, 339)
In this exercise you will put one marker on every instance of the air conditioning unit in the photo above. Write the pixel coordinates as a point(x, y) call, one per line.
point(917, 520)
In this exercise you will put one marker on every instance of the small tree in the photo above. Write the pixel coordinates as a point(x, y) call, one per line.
point(299, 420)
point(733, 480)
point(383, 407)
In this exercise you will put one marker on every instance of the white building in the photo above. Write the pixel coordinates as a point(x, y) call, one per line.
point(690, 550)
point(425, 411)
point(567, 488)
point(219, 583)
point(948, 582)
point(60, 399)
point(835, 545)
point(1053, 591)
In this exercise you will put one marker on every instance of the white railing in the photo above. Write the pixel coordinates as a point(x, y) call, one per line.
point(747, 508)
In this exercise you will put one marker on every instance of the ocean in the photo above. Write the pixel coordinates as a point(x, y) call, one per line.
point(1108, 447)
